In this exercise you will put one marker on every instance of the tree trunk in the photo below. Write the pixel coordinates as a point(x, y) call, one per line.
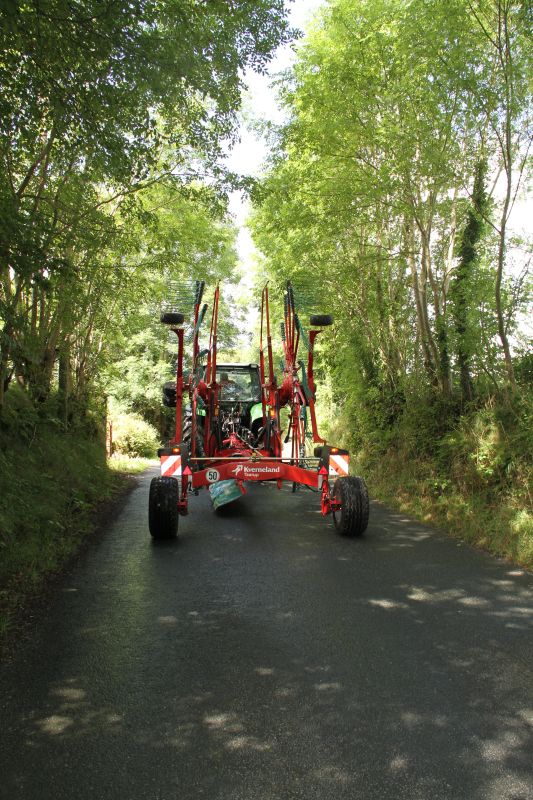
point(463, 276)
point(64, 383)
point(440, 348)
point(419, 290)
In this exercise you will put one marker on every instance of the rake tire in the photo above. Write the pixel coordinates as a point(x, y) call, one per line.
point(169, 394)
point(320, 320)
point(172, 318)
point(352, 518)
point(163, 515)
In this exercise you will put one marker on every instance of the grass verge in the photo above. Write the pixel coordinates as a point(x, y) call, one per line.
point(128, 465)
point(494, 521)
point(53, 486)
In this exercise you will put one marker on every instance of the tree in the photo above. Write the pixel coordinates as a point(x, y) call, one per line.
point(504, 27)
point(375, 200)
point(372, 177)
point(100, 101)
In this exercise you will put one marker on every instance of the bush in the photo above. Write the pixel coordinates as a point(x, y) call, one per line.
point(132, 436)
point(474, 479)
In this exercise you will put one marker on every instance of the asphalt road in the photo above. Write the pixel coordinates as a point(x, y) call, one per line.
point(260, 657)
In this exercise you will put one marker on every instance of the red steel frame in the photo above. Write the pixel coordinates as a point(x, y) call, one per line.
point(232, 458)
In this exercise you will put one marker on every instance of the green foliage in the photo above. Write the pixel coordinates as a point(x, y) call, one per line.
point(134, 437)
point(111, 116)
point(524, 369)
point(187, 239)
point(388, 105)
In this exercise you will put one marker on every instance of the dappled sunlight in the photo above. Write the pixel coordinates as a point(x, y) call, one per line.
point(225, 722)
point(73, 713)
point(409, 534)
point(501, 583)
point(335, 686)
point(264, 671)
point(386, 604)
point(462, 663)
point(474, 602)
point(422, 595)
point(526, 715)
point(170, 619)
point(294, 663)
point(500, 748)
point(498, 788)
point(399, 764)
point(230, 730)
point(412, 720)
point(54, 724)
point(300, 716)
point(333, 774)
point(206, 619)
point(526, 612)
point(284, 692)
point(247, 742)
point(500, 605)
point(319, 668)
point(69, 694)
point(302, 543)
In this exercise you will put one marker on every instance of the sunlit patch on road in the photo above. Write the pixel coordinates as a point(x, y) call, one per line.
point(264, 671)
point(55, 724)
point(386, 604)
point(70, 694)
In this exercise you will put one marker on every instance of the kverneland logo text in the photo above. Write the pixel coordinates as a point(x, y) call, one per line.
point(247, 471)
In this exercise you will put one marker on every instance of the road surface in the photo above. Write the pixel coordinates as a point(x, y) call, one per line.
point(261, 657)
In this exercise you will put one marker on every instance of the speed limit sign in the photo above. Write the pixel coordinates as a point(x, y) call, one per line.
point(212, 475)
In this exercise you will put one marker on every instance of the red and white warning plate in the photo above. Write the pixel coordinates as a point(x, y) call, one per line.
point(339, 465)
point(170, 466)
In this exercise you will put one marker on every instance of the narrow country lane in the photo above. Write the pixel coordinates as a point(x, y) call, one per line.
point(260, 657)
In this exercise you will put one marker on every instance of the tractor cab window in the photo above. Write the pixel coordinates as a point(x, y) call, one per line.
point(239, 385)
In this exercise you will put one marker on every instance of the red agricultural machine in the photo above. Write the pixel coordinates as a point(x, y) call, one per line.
point(228, 427)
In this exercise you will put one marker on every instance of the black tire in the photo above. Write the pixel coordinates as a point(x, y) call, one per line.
point(172, 318)
point(320, 320)
point(317, 452)
point(352, 519)
point(186, 436)
point(163, 513)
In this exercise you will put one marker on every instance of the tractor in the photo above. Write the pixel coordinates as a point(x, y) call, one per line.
point(228, 423)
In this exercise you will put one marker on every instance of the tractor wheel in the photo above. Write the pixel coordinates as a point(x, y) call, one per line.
point(352, 518)
point(320, 320)
point(187, 433)
point(163, 508)
point(172, 318)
